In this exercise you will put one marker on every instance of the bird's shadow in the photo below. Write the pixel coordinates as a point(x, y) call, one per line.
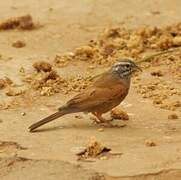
point(47, 129)
point(80, 126)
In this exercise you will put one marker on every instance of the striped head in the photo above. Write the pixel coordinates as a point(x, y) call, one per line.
point(124, 67)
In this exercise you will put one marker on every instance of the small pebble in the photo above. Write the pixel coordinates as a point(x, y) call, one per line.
point(173, 116)
point(42, 66)
point(157, 73)
point(78, 116)
point(19, 44)
point(103, 158)
point(150, 143)
point(23, 113)
point(2, 83)
point(100, 129)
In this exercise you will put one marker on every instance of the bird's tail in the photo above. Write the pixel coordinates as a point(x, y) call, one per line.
point(46, 120)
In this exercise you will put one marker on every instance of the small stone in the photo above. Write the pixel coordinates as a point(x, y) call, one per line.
point(176, 104)
point(155, 12)
point(103, 158)
point(78, 116)
point(100, 129)
point(8, 81)
point(157, 101)
point(23, 113)
point(50, 9)
point(173, 116)
point(42, 66)
point(21, 22)
point(22, 71)
point(177, 41)
point(91, 67)
point(2, 83)
point(14, 92)
point(157, 73)
point(46, 91)
point(150, 143)
point(19, 44)
point(108, 49)
point(112, 33)
point(84, 52)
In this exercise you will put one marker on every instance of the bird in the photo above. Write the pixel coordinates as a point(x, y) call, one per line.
point(105, 93)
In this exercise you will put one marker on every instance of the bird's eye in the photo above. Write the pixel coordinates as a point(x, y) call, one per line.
point(127, 66)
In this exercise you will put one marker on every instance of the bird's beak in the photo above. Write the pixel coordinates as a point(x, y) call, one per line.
point(138, 68)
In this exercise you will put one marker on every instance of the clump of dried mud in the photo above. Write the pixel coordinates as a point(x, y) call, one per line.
point(8, 148)
point(10, 87)
point(14, 92)
point(42, 66)
point(120, 42)
point(19, 44)
point(5, 82)
point(93, 149)
point(22, 22)
point(150, 143)
point(2, 83)
point(119, 114)
point(45, 80)
point(173, 116)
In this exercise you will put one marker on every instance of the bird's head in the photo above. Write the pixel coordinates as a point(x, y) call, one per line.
point(124, 67)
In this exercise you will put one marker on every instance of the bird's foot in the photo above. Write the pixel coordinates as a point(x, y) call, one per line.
point(95, 120)
point(101, 121)
point(106, 123)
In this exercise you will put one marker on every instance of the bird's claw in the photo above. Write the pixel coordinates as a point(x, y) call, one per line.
point(106, 123)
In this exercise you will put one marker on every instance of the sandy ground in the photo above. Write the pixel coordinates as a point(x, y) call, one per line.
point(50, 153)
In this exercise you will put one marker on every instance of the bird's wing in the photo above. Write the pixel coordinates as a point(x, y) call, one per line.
point(92, 97)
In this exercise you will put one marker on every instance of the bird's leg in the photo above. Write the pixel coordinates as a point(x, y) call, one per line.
point(103, 122)
point(97, 119)
point(100, 119)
